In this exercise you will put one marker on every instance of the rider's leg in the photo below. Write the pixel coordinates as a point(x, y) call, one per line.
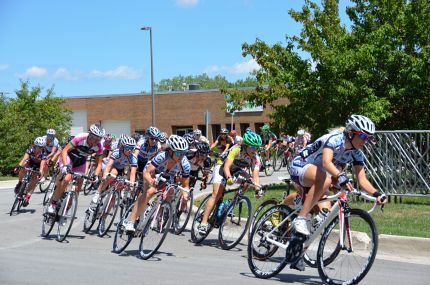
point(218, 189)
point(140, 206)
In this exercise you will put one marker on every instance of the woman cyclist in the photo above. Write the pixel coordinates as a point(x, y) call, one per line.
point(171, 162)
point(147, 147)
point(199, 161)
point(238, 158)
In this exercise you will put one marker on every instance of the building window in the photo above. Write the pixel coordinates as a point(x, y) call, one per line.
point(216, 129)
point(181, 130)
point(140, 131)
point(243, 127)
point(203, 129)
point(228, 126)
point(258, 127)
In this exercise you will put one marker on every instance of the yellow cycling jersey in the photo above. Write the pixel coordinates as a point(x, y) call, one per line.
point(241, 158)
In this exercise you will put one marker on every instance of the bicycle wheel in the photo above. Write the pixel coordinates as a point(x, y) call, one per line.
point(268, 166)
point(67, 215)
point(48, 193)
point(182, 217)
point(18, 198)
point(48, 221)
point(235, 223)
point(264, 258)
point(122, 239)
point(278, 160)
point(260, 210)
point(87, 185)
point(45, 185)
point(350, 264)
point(156, 228)
point(196, 237)
point(108, 212)
point(90, 218)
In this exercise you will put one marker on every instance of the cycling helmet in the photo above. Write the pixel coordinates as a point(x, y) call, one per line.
point(177, 143)
point(238, 139)
point(107, 139)
point(153, 132)
point(128, 141)
point(121, 137)
point(300, 132)
point(203, 148)
point(197, 132)
point(224, 131)
point(252, 139)
point(233, 133)
point(50, 132)
point(97, 130)
point(248, 129)
point(162, 138)
point(189, 138)
point(40, 141)
point(265, 128)
point(359, 123)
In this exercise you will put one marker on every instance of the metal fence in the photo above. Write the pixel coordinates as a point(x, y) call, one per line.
point(398, 162)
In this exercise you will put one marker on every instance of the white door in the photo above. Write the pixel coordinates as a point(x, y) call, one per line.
point(79, 122)
point(117, 127)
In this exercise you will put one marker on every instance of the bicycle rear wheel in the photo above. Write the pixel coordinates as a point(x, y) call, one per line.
point(348, 265)
point(235, 223)
point(181, 217)
point(108, 212)
point(278, 160)
point(67, 215)
point(156, 228)
point(264, 258)
point(196, 237)
point(268, 166)
point(260, 210)
point(122, 239)
point(48, 221)
point(90, 218)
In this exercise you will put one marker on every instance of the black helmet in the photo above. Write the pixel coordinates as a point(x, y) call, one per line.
point(189, 138)
point(203, 148)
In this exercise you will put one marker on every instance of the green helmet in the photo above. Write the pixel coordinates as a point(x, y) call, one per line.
point(265, 128)
point(252, 139)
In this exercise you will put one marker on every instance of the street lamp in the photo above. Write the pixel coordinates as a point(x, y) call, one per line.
point(152, 74)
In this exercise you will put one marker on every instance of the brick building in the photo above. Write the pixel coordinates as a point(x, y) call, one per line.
point(176, 112)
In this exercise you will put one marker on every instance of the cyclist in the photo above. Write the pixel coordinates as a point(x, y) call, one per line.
point(119, 159)
point(147, 147)
point(317, 166)
point(233, 135)
point(268, 141)
point(301, 141)
point(51, 148)
point(74, 157)
point(171, 162)
point(162, 139)
point(189, 137)
point(199, 137)
point(199, 161)
point(222, 143)
point(239, 157)
point(34, 157)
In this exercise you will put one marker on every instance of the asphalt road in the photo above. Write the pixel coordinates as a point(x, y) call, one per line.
point(26, 258)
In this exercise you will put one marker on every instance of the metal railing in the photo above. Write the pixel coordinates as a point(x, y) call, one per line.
point(398, 162)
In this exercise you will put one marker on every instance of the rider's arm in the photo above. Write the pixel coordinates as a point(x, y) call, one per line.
point(132, 177)
point(327, 162)
point(52, 154)
point(362, 180)
point(65, 152)
point(99, 159)
point(227, 165)
point(147, 174)
point(24, 159)
point(108, 168)
point(214, 144)
point(185, 181)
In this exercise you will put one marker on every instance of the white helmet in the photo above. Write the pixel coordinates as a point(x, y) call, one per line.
point(97, 130)
point(238, 139)
point(128, 141)
point(50, 132)
point(301, 132)
point(40, 141)
point(197, 132)
point(163, 137)
point(360, 123)
point(177, 143)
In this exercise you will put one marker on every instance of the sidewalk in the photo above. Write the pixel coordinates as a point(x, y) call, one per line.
point(8, 184)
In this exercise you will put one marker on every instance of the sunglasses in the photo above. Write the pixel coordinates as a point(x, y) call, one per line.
point(253, 148)
point(152, 139)
point(130, 148)
point(180, 153)
point(363, 136)
point(93, 137)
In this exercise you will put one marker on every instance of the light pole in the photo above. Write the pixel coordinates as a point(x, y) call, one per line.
point(152, 74)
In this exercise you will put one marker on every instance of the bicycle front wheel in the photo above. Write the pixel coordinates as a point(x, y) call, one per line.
point(88, 184)
point(264, 258)
point(350, 264)
point(197, 237)
point(67, 215)
point(122, 239)
point(235, 223)
point(108, 212)
point(182, 214)
point(268, 166)
point(156, 228)
point(48, 222)
point(260, 210)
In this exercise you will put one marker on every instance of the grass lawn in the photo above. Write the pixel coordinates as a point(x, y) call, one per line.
point(411, 218)
point(8, 177)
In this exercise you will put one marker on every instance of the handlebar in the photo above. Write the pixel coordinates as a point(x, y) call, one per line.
point(362, 194)
point(122, 180)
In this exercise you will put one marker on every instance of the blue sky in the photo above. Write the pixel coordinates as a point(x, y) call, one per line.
point(94, 47)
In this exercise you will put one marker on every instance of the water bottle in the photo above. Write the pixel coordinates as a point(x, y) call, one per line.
point(224, 205)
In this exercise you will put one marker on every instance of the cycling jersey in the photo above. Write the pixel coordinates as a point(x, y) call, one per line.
point(49, 146)
point(145, 150)
point(80, 149)
point(242, 159)
point(121, 160)
point(192, 158)
point(222, 143)
point(160, 162)
point(35, 158)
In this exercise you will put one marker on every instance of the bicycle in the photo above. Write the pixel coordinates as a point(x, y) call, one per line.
point(279, 155)
point(267, 163)
point(233, 221)
point(51, 188)
point(23, 189)
point(65, 211)
point(107, 206)
point(273, 231)
point(88, 184)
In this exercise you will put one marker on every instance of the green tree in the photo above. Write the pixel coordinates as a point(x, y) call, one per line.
point(26, 117)
point(379, 67)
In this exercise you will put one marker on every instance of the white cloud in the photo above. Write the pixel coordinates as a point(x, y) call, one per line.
point(238, 68)
point(4, 66)
point(35, 71)
point(63, 73)
point(120, 72)
point(187, 3)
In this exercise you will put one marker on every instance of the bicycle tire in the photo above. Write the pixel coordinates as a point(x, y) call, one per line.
point(88, 183)
point(278, 160)
point(45, 186)
point(261, 209)
point(157, 225)
point(268, 167)
point(122, 239)
point(48, 222)
point(108, 212)
point(66, 217)
point(18, 198)
point(181, 218)
point(90, 218)
point(47, 195)
point(196, 237)
point(262, 260)
point(361, 220)
point(235, 223)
